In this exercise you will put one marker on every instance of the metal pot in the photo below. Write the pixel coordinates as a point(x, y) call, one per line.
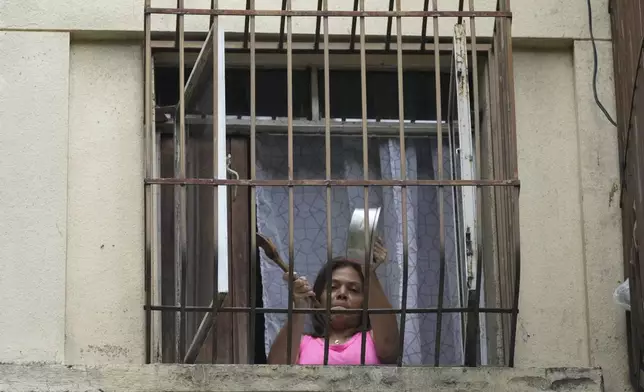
point(356, 245)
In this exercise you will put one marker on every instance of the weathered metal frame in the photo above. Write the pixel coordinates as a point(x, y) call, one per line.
point(506, 182)
point(627, 24)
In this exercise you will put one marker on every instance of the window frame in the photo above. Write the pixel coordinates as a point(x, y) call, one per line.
point(418, 62)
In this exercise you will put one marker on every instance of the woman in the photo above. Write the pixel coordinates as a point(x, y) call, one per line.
point(345, 332)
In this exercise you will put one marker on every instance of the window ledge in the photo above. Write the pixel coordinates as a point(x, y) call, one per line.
point(135, 378)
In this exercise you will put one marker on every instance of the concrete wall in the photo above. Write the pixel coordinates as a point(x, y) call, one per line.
point(43, 378)
point(104, 321)
point(71, 236)
point(34, 80)
point(572, 254)
point(71, 233)
point(533, 19)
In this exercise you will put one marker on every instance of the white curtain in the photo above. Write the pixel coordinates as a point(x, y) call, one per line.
point(310, 229)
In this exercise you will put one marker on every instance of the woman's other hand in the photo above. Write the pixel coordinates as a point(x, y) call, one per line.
point(302, 292)
point(379, 252)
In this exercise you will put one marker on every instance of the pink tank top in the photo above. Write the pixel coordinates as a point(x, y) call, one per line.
point(347, 353)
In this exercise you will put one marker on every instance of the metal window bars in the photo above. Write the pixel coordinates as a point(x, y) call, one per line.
point(488, 186)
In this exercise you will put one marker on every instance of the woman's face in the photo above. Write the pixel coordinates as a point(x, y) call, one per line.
point(346, 293)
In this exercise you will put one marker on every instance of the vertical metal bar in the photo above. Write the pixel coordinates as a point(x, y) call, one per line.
point(365, 169)
point(291, 196)
point(352, 41)
point(441, 207)
point(502, 223)
point(213, 5)
point(318, 19)
point(149, 143)
point(461, 3)
point(504, 169)
point(280, 45)
point(180, 196)
point(157, 268)
point(511, 114)
point(246, 25)
point(327, 144)
point(389, 24)
point(403, 176)
point(423, 34)
point(253, 205)
point(477, 165)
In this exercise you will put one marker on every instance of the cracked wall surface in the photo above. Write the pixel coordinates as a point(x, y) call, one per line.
point(229, 378)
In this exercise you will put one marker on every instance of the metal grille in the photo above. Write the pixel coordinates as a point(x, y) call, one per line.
point(472, 113)
point(628, 43)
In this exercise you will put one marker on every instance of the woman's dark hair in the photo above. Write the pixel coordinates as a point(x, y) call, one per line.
point(319, 319)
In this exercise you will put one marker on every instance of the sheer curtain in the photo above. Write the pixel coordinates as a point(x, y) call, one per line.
point(310, 229)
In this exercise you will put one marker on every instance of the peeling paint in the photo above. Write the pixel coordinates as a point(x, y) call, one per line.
point(107, 350)
point(611, 194)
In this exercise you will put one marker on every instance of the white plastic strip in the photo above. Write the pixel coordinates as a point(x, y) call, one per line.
point(220, 143)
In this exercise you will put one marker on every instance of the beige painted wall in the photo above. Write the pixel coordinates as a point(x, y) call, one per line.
point(570, 216)
point(602, 239)
point(34, 80)
point(552, 322)
point(532, 19)
point(105, 318)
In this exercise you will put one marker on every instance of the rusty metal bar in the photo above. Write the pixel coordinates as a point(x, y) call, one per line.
point(291, 196)
point(246, 25)
point(423, 33)
point(461, 3)
point(213, 5)
point(352, 39)
point(329, 216)
point(332, 183)
point(365, 169)
point(318, 19)
point(441, 207)
point(502, 208)
point(280, 45)
point(149, 145)
point(234, 43)
point(246, 309)
point(181, 255)
point(403, 190)
point(314, 127)
point(512, 148)
point(207, 324)
point(253, 195)
point(330, 13)
point(503, 239)
point(389, 26)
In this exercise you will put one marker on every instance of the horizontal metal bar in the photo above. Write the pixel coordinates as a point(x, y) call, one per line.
point(330, 13)
point(203, 309)
point(306, 127)
point(333, 183)
point(308, 44)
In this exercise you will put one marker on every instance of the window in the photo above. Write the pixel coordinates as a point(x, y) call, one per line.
point(288, 174)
